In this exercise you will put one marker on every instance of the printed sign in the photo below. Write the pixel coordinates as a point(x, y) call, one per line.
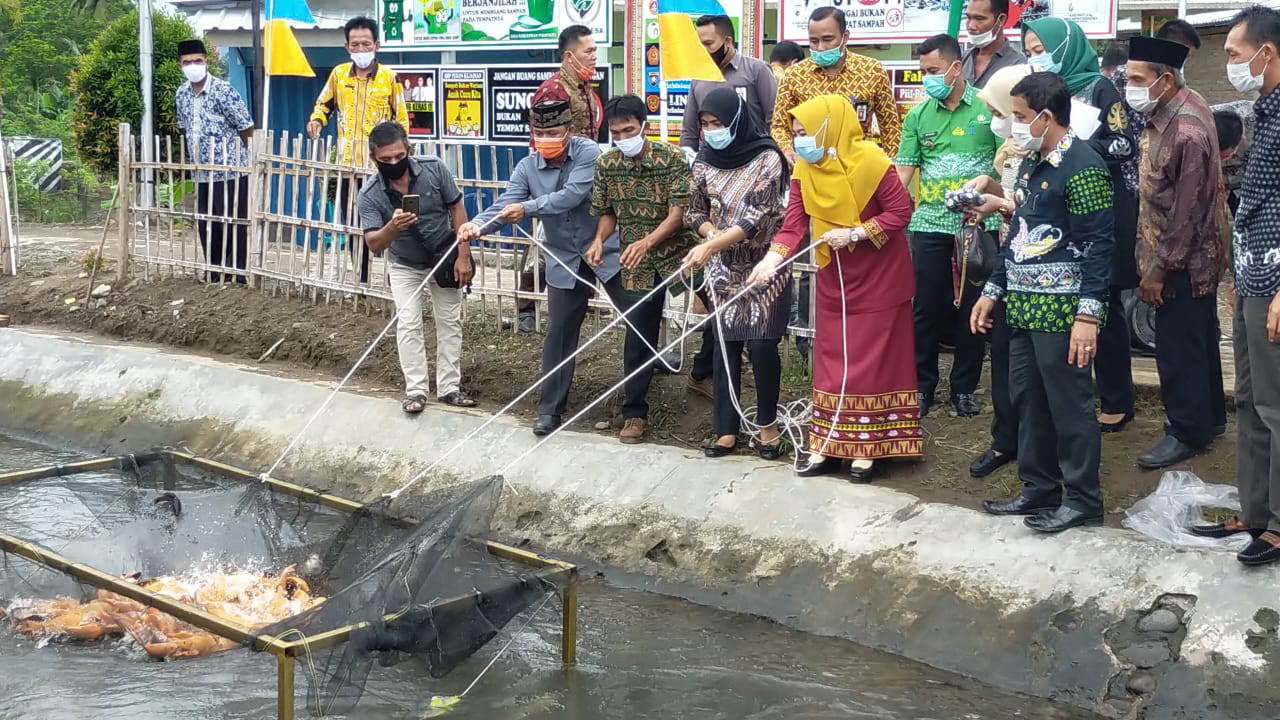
point(908, 84)
point(511, 91)
point(471, 24)
point(909, 21)
point(420, 100)
point(463, 112)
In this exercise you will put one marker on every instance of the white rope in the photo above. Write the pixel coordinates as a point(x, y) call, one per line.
point(514, 635)
point(623, 381)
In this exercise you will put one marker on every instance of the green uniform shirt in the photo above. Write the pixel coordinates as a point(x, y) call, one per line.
point(951, 147)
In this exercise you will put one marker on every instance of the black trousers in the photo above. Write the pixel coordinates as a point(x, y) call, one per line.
point(1188, 361)
point(766, 365)
point(935, 309)
point(1059, 441)
point(704, 361)
point(1004, 421)
point(567, 309)
point(638, 353)
point(225, 244)
point(349, 214)
point(1113, 365)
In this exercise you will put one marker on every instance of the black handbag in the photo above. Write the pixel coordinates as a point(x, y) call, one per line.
point(974, 257)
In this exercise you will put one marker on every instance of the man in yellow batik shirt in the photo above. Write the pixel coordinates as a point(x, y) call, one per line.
point(364, 93)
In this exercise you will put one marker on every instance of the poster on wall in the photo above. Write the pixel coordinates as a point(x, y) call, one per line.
point(901, 21)
point(908, 84)
point(462, 114)
point(510, 91)
point(644, 69)
point(497, 24)
point(419, 99)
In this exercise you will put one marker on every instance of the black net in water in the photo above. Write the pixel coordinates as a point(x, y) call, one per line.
point(388, 589)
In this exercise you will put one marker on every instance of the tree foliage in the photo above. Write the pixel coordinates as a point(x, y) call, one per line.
point(106, 86)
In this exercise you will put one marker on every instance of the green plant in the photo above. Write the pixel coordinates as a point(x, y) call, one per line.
point(92, 261)
point(106, 83)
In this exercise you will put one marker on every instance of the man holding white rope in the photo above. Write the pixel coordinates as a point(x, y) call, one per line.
point(554, 184)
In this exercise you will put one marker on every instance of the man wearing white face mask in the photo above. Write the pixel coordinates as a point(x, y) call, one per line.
point(1253, 54)
point(217, 127)
point(640, 190)
point(1181, 240)
point(988, 51)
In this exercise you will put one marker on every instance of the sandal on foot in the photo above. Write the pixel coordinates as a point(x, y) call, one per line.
point(413, 405)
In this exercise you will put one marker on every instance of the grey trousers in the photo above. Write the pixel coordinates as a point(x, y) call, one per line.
point(1059, 442)
point(1257, 415)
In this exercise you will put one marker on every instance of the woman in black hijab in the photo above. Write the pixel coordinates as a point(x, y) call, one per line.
point(737, 202)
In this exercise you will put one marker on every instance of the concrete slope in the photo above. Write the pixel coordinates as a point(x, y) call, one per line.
point(1098, 618)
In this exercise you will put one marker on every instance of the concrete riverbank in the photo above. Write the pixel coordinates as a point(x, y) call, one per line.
point(1101, 619)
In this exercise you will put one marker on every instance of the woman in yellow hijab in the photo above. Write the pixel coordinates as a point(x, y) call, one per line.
point(865, 404)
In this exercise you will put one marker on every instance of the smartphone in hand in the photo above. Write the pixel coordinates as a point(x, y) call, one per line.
point(410, 204)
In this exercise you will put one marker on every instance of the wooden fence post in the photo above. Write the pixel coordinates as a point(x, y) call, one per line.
point(8, 238)
point(124, 222)
point(258, 190)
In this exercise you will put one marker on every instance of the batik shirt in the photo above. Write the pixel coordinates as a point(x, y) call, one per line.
point(211, 121)
point(1257, 233)
point(361, 104)
point(1137, 121)
point(951, 147)
point(640, 193)
point(862, 79)
point(1057, 262)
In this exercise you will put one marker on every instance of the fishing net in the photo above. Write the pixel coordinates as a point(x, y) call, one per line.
point(372, 587)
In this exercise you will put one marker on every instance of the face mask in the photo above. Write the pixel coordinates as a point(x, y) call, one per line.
point(362, 59)
point(583, 72)
point(1139, 98)
point(195, 73)
point(549, 149)
point(631, 146)
point(1242, 77)
point(1044, 63)
point(720, 138)
point(1002, 126)
point(983, 39)
point(936, 86)
point(718, 55)
point(395, 170)
point(808, 149)
point(827, 58)
point(1023, 137)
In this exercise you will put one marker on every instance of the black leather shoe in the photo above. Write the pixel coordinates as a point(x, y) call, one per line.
point(1169, 451)
point(925, 404)
point(1118, 425)
point(1264, 549)
point(715, 450)
point(828, 466)
point(988, 462)
point(1231, 527)
point(1219, 430)
point(546, 425)
point(966, 405)
point(863, 475)
point(1020, 505)
point(772, 451)
point(1064, 518)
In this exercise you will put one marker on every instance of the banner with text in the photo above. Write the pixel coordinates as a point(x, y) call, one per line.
point(902, 21)
point(489, 24)
point(511, 89)
point(463, 112)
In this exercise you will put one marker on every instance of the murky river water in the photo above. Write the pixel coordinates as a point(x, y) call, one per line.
point(640, 656)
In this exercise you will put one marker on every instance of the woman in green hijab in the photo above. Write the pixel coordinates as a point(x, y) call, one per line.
point(1060, 46)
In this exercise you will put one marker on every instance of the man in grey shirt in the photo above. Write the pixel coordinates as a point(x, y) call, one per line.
point(988, 49)
point(420, 240)
point(554, 184)
point(752, 78)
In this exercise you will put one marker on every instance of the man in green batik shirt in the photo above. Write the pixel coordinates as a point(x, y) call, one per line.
point(948, 138)
point(640, 190)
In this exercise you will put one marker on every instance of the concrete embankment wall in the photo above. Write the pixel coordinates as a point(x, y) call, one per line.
point(1099, 618)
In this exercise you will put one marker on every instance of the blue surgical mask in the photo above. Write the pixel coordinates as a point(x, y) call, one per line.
point(1044, 63)
point(720, 138)
point(807, 146)
point(936, 86)
point(826, 58)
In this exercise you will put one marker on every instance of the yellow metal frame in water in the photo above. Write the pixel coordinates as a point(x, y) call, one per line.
point(284, 651)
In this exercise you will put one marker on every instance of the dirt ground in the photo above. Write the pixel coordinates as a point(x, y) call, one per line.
point(242, 324)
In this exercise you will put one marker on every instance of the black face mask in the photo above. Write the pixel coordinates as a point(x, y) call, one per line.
point(718, 55)
point(395, 170)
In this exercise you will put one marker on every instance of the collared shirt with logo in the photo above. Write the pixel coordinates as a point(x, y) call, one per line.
point(862, 79)
point(1257, 233)
point(950, 147)
point(754, 82)
point(211, 121)
point(641, 193)
point(1182, 219)
point(1056, 263)
point(361, 104)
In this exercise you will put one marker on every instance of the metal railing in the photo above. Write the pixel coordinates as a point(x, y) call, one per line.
point(287, 221)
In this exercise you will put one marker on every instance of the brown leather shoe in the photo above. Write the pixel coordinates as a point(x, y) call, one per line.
point(633, 431)
point(701, 387)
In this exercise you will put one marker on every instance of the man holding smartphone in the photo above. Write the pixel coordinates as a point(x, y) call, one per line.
point(413, 208)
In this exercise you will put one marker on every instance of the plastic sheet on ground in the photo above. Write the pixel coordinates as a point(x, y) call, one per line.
point(1178, 503)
